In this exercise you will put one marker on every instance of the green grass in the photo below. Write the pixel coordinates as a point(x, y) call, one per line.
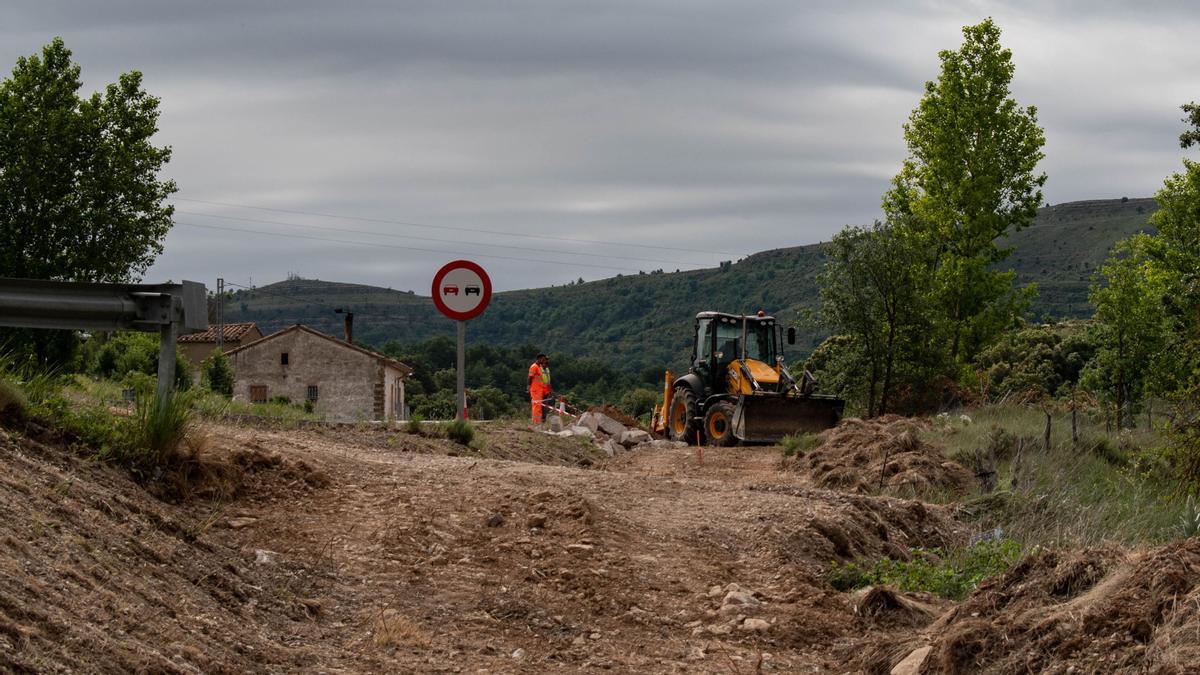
point(1103, 488)
point(947, 573)
point(214, 406)
point(460, 431)
point(12, 397)
point(798, 444)
point(152, 436)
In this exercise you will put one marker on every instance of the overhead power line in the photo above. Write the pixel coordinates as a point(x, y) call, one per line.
point(405, 248)
point(443, 241)
point(457, 228)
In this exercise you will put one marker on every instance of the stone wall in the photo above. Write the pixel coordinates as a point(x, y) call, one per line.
point(348, 381)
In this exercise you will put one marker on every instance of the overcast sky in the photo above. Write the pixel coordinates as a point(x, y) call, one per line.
point(677, 133)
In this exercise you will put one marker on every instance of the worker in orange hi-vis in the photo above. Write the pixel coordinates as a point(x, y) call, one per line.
point(539, 386)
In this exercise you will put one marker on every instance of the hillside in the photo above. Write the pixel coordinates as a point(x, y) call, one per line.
point(1062, 251)
point(643, 321)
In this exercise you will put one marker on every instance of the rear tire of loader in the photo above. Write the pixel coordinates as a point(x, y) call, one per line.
point(682, 424)
point(718, 424)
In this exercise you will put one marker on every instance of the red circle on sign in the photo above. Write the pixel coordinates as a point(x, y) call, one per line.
point(461, 290)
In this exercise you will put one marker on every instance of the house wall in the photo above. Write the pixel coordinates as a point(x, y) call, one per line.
point(393, 388)
point(350, 384)
point(196, 352)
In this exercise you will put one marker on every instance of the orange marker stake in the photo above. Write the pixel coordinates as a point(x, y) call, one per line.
point(699, 450)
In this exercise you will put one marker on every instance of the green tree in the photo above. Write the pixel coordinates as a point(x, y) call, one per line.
point(1191, 136)
point(871, 293)
point(80, 197)
point(216, 374)
point(1131, 326)
point(969, 180)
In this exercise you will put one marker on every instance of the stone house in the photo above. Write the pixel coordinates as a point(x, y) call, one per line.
point(196, 347)
point(345, 382)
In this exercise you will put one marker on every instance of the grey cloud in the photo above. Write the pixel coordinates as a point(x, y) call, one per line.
point(724, 127)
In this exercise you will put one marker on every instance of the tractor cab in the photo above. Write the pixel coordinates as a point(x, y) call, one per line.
point(754, 341)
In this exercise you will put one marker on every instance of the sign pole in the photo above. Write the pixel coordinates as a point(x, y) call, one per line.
point(461, 370)
point(461, 291)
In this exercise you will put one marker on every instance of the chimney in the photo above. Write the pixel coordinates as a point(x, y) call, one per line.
point(349, 324)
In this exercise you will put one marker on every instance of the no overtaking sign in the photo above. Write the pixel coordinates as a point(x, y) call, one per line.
point(461, 290)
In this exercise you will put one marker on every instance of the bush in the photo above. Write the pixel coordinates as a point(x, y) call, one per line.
point(949, 574)
point(639, 402)
point(438, 406)
point(460, 431)
point(489, 403)
point(216, 374)
point(132, 352)
point(414, 424)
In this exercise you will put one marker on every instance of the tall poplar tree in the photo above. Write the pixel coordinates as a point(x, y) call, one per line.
point(969, 180)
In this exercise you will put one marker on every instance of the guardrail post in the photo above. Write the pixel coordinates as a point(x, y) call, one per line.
point(166, 355)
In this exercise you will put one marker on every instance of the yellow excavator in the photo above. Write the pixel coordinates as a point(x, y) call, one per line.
point(738, 388)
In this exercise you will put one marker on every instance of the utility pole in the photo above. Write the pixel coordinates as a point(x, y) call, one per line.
point(221, 314)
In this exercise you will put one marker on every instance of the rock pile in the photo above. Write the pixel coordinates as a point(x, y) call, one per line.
point(607, 433)
point(736, 612)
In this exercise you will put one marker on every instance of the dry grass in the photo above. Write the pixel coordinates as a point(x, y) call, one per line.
point(393, 629)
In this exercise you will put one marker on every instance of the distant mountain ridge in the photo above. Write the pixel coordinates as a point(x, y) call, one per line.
point(644, 321)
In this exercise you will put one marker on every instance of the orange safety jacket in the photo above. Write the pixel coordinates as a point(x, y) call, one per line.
point(539, 380)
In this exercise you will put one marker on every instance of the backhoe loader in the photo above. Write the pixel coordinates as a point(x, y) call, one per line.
point(738, 388)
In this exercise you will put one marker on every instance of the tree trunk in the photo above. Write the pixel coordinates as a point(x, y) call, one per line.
point(1120, 404)
point(887, 369)
point(871, 390)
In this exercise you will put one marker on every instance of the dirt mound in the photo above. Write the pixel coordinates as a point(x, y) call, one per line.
point(884, 454)
point(97, 575)
point(857, 526)
point(1099, 610)
point(888, 607)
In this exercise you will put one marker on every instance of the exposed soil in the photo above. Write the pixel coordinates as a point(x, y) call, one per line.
point(365, 550)
point(359, 549)
point(883, 455)
point(1092, 611)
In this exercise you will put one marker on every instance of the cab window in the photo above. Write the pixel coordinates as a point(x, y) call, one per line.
point(703, 348)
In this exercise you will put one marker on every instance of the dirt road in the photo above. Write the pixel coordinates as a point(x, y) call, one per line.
point(435, 562)
point(360, 550)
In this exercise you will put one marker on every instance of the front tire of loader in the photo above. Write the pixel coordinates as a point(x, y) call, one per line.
point(682, 425)
point(718, 424)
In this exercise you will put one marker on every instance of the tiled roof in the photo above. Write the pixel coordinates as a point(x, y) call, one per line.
point(233, 333)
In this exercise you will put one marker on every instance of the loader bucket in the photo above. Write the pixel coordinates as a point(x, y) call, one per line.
point(766, 419)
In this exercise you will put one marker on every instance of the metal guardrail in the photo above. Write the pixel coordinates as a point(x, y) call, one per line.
point(169, 309)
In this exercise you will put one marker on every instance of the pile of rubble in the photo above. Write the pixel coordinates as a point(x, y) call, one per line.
point(607, 433)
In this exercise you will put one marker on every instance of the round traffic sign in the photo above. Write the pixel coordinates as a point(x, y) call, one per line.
point(461, 290)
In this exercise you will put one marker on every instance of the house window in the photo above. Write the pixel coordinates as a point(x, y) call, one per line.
point(313, 394)
point(283, 358)
point(258, 393)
